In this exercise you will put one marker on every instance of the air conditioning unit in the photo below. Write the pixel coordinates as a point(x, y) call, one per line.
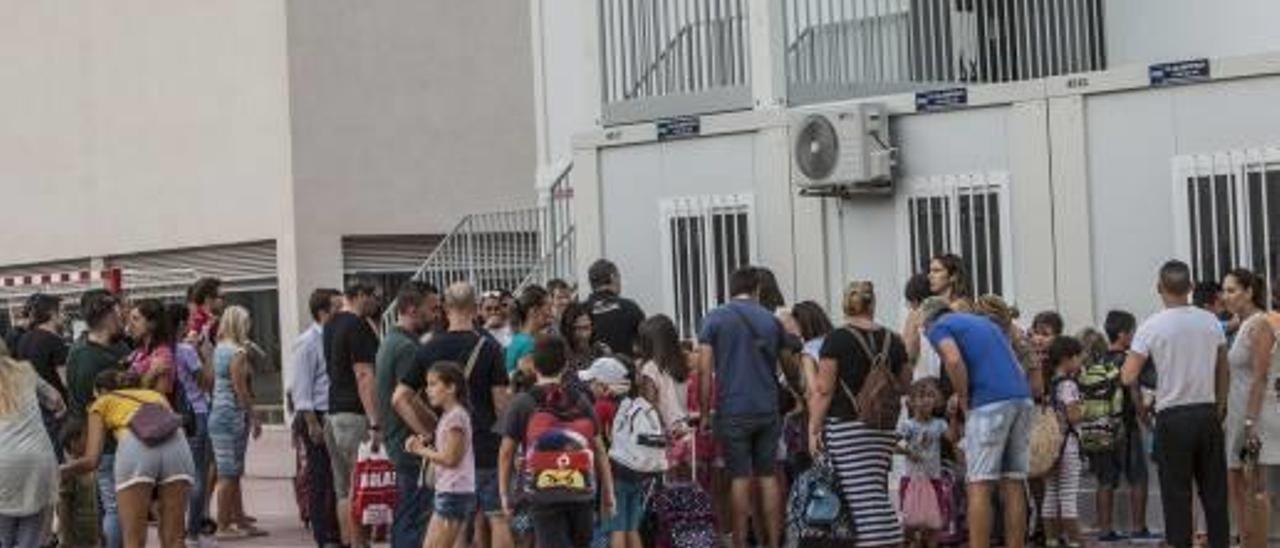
point(842, 151)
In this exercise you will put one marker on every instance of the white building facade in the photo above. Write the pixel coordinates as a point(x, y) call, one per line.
point(1095, 139)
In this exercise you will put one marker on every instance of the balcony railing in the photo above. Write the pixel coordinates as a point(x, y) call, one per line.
point(838, 49)
point(664, 58)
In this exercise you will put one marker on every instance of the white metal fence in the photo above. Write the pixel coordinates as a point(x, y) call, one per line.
point(1228, 208)
point(842, 48)
point(664, 58)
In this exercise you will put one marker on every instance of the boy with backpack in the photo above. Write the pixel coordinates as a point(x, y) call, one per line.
point(564, 455)
point(1111, 433)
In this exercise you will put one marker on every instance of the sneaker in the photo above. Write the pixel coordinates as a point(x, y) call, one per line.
point(1145, 535)
point(1112, 536)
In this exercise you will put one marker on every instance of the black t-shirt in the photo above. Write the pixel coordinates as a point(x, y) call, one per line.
point(854, 364)
point(46, 352)
point(489, 371)
point(616, 320)
point(348, 340)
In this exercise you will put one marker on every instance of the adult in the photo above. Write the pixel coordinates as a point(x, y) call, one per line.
point(994, 308)
point(43, 347)
point(496, 317)
point(561, 297)
point(1190, 354)
point(578, 330)
point(860, 456)
point(195, 380)
point(533, 312)
point(413, 311)
point(742, 342)
point(991, 391)
point(923, 357)
point(28, 467)
point(770, 292)
point(97, 351)
point(350, 349)
point(141, 469)
point(205, 302)
point(310, 391)
point(664, 363)
point(616, 318)
point(812, 325)
point(21, 323)
point(152, 359)
point(949, 279)
point(482, 360)
point(1250, 427)
point(231, 421)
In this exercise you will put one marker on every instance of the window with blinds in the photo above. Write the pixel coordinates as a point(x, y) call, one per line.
point(966, 215)
point(704, 239)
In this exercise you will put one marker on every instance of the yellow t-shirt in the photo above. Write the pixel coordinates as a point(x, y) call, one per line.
point(117, 410)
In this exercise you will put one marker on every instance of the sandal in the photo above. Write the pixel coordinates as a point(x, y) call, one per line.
point(231, 533)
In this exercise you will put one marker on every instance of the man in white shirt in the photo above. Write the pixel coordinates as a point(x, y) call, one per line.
point(1190, 355)
point(310, 393)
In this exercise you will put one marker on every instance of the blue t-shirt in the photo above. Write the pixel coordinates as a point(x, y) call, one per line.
point(521, 346)
point(747, 384)
point(994, 373)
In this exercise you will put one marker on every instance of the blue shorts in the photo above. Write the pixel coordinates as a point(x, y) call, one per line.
point(455, 506)
point(998, 441)
point(749, 443)
point(487, 499)
point(630, 502)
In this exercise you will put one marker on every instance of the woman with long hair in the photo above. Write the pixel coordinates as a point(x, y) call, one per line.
point(534, 315)
point(949, 279)
point(1252, 426)
point(859, 455)
point(140, 467)
point(232, 421)
point(195, 379)
point(28, 465)
point(153, 333)
point(577, 328)
point(663, 362)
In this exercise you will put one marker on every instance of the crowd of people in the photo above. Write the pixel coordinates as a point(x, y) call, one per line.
point(539, 419)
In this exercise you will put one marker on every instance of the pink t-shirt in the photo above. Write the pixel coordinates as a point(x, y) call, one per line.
point(141, 361)
point(462, 478)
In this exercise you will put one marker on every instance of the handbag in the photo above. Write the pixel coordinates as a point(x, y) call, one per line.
point(822, 504)
point(920, 508)
point(153, 423)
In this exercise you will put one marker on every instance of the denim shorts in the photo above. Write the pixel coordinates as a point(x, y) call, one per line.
point(630, 502)
point(748, 443)
point(455, 506)
point(487, 499)
point(998, 441)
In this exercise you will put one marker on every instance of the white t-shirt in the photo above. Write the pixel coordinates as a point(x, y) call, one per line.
point(1184, 343)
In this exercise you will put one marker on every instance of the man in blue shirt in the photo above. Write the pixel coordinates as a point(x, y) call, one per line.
point(992, 393)
point(744, 343)
point(310, 391)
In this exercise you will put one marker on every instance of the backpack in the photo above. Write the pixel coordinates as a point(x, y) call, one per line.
point(559, 457)
point(809, 509)
point(1102, 402)
point(879, 401)
point(639, 442)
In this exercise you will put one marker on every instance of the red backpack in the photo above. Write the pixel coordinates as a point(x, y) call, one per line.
point(559, 443)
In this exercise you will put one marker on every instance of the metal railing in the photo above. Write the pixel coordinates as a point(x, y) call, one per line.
point(846, 48)
point(662, 58)
point(506, 250)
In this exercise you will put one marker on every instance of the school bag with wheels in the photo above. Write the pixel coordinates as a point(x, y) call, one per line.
point(1102, 402)
point(816, 515)
point(683, 513)
point(559, 457)
point(373, 489)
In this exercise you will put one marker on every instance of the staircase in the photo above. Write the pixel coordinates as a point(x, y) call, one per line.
point(507, 250)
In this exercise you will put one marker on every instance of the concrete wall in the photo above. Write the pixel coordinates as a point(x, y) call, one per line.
point(1132, 140)
point(1145, 31)
point(140, 125)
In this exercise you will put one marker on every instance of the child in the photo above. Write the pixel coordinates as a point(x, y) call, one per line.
point(565, 458)
point(922, 436)
point(78, 496)
point(1062, 485)
point(454, 460)
point(638, 457)
point(608, 379)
